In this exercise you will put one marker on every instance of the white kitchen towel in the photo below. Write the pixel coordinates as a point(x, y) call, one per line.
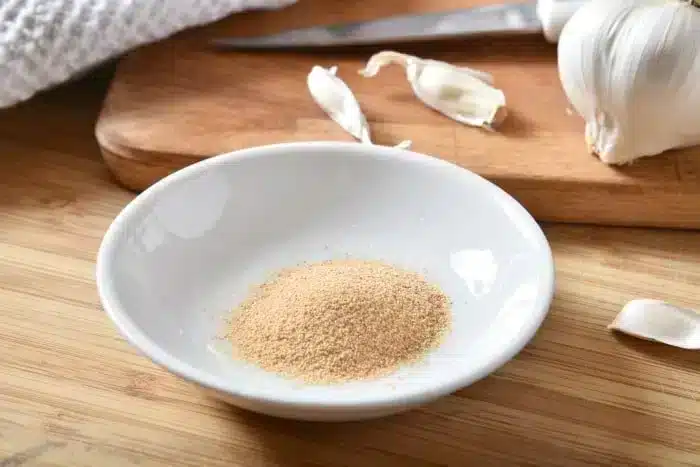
point(46, 42)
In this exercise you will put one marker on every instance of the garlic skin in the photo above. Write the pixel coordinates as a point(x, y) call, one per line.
point(659, 321)
point(460, 93)
point(630, 68)
point(338, 101)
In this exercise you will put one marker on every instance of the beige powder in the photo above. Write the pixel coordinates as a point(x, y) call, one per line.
point(341, 320)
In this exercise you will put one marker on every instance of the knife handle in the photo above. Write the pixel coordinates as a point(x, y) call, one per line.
point(554, 14)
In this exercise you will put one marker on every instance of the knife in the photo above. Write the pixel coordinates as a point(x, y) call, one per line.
point(546, 17)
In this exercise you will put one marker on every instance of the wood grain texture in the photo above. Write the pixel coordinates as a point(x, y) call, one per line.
point(179, 101)
point(74, 393)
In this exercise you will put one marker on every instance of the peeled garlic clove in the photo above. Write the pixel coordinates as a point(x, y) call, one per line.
point(659, 321)
point(337, 100)
point(460, 93)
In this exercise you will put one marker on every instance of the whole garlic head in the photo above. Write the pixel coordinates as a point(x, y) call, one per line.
point(631, 69)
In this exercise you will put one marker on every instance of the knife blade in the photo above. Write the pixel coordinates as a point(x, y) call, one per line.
point(539, 16)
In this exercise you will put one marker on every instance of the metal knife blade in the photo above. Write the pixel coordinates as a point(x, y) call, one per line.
point(514, 18)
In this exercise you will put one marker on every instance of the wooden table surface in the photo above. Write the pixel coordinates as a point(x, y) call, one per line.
point(74, 393)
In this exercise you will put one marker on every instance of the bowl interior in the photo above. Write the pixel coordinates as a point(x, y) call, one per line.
point(186, 251)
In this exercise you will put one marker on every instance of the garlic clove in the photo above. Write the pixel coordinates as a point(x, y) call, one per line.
point(338, 101)
point(334, 96)
point(460, 93)
point(659, 321)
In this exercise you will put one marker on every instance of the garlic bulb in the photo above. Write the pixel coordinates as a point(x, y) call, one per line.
point(630, 68)
point(460, 93)
point(659, 321)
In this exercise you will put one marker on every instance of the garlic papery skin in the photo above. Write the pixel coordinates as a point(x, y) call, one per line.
point(631, 69)
point(659, 321)
point(338, 101)
point(460, 93)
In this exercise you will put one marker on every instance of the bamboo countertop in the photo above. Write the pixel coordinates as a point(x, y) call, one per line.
point(74, 393)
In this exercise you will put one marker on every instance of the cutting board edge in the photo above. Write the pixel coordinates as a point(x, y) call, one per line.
point(132, 170)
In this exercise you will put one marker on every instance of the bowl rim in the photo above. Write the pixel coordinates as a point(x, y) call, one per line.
point(152, 350)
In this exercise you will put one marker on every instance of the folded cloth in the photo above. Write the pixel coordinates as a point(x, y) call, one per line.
point(46, 42)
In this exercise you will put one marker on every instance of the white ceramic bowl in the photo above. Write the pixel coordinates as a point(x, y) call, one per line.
point(185, 251)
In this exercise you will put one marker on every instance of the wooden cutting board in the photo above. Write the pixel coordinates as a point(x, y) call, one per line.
point(178, 101)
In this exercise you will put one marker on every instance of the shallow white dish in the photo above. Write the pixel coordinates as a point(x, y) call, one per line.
point(185, 251)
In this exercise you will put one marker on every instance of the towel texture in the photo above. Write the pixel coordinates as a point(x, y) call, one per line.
point(46, 42)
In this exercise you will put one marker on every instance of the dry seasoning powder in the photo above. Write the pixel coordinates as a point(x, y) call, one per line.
point(337, 321)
